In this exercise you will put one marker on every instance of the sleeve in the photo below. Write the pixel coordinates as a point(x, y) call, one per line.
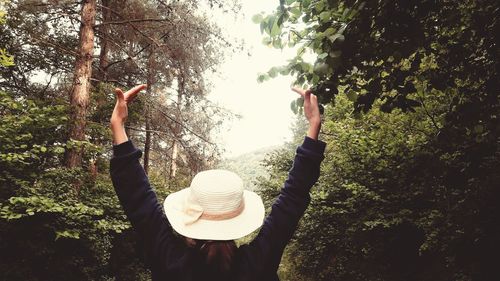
point(140, 202)
point(279, 226)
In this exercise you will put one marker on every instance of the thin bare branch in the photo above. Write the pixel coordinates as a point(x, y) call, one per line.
point(131, 21)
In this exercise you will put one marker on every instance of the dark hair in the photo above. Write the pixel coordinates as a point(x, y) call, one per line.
point(217, 255)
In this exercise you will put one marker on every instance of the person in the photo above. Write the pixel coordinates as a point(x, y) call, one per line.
point(192, 236)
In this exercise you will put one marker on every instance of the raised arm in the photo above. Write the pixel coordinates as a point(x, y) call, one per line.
point(279, 226)
point(132, 186)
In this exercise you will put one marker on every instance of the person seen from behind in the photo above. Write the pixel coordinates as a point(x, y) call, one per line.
point(191, 237)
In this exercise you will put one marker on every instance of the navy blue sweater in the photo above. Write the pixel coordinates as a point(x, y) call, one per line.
point(171, 259)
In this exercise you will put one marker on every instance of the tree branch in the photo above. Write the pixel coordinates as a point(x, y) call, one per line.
point(131, 21)
point(184, 126)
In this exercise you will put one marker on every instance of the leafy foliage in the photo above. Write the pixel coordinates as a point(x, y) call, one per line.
point(393, 203)
point(386, 49)
point(407, 187)
point(38, 198)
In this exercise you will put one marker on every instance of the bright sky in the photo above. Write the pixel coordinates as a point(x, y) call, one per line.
point(264, 107)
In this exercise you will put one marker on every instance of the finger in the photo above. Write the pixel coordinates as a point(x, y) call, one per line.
point(314, 99)
point(299, 91)
point(132, 93)
point(308, 97)
point(315, 103)
point(119, 94)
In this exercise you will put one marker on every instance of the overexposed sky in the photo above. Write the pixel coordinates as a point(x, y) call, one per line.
point(264, 107)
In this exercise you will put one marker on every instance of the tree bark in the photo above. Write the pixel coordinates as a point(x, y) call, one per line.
point(150, 82)
point(173, 160)
point(104, 53)
point(147, 143)
point(177, 128)
point(79, 98)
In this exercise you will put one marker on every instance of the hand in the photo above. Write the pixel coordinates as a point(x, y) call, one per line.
point(311, 111)
point(120, 111)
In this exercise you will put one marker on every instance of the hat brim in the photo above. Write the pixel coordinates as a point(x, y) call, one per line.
point(245, 223)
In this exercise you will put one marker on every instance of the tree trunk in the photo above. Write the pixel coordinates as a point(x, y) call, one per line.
point(147, 144)
point(101, 74)
point(79, 98)
point(150, 82)
point(104, 53)
point(173, 160)
point(177, 127)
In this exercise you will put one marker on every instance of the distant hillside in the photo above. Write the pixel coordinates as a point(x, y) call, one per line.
point(248, 166)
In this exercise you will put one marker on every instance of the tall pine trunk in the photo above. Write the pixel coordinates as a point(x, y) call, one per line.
point(177, 127)
point(101, 74)
point(150, 82)
point(104, 46)
point(79, 98)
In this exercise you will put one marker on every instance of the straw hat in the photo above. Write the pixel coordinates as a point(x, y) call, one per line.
point(214, 207)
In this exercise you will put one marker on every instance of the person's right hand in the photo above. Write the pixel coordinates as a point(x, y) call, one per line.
point(120, 112)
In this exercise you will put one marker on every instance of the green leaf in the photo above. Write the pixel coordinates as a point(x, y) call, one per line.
point(325, 16)
point(263, 26)
point(330, 31)
point(352, 95)
point(257, 18)
point(267, 41)
point(59, 150)
point(293, 106)
point(277, 44)
point(72, 234)
point(295, 11)
point(300, 102)
point(275, 30)
point(337, 37)
point(262, 77)
point(306, 67)
point(322, 56)
point(271, 21)
point(306, 3)
point(315, 79)
point(319, 6)
point(273, 72)
point(321, 68)
point(285, 71)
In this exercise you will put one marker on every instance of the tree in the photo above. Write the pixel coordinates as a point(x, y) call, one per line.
point(411, 99)
point(386, 49)
point(391, 201)
point(49, 230)
point(79, 97)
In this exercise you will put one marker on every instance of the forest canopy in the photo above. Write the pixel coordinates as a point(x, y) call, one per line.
point(409, 186)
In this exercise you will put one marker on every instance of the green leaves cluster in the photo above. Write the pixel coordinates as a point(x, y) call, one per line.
point(40, 210)
point(406, 189)
point(383, 50)
point(396, 199)
point(6, 59)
